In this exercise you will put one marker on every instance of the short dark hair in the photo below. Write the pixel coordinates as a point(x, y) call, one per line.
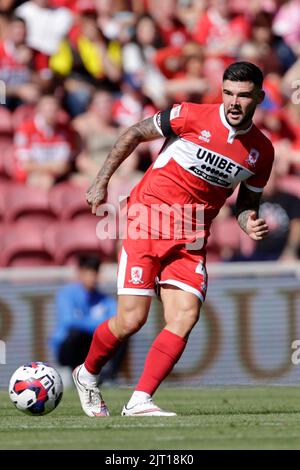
point(244, 72)
point(89, 261)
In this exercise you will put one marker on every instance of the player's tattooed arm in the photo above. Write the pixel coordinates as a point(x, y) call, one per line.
point(247, 208)
point(126, 143)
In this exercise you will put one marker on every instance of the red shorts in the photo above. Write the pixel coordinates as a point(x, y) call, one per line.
point(143, 263)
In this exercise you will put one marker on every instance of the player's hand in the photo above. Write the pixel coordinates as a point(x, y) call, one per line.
point(257, 229)
point(96, 195)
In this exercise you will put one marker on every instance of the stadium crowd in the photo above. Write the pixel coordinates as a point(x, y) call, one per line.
point(74, 73)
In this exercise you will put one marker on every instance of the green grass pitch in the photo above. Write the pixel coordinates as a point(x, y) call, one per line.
point(208, 418)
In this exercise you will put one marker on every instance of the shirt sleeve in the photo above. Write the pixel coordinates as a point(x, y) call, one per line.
point(172, 121)
point(258, 181)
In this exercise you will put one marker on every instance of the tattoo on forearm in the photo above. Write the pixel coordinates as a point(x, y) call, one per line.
point(247, 202)
point(243, 218)
point(127, 142)
point(147, 130)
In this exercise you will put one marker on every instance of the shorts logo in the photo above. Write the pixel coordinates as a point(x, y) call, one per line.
point(252, 157)
point(200, 269)
point(136, 275)
point(205, 136)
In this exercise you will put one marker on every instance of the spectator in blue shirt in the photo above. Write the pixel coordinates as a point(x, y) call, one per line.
point(80, 308)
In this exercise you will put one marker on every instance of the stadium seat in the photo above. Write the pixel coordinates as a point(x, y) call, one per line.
point(2, 230)
point(6, 121)
point(226, 235)
point(67, 201)
point(64, 240)
point(290, 184)
point(7, 159)
point(22, 245)
point(4, 184)
point(21, 200)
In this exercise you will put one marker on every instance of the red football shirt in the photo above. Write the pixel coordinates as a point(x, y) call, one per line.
point(34, 140)
point(203, 159)
point(12, 71)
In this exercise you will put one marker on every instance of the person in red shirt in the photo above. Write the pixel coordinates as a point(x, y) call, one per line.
point(208, 151)
point(44, 146)
point(221, 32)
point(16, 65)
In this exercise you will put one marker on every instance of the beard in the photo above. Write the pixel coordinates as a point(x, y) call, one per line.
point(237, 119)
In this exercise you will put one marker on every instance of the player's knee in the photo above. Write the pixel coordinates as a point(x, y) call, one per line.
point(189, 316)
point(130, 321)
point(130, 325)
point(185, 318)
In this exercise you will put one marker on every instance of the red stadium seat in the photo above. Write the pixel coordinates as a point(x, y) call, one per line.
point(67, 201)
point(6, 158)
point(290, 184)
point(6, 121)
point(21, 200)
point(2, 230)
point(22, 245)
point(225, 237)
point(3, 188)
point(63, 240)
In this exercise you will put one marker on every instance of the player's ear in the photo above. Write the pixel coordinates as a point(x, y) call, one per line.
point(261, 96)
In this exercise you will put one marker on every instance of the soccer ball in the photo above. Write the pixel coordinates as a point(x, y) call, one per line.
point(36, 388)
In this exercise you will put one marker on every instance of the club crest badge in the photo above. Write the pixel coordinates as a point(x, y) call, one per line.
point(252, 157)
point(136, 275)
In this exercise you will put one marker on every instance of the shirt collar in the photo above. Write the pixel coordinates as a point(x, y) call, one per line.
point(233, 132)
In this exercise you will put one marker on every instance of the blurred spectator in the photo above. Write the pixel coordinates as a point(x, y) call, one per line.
point(189, 12)
point(165, 15)
point(128, 108)
point(46, 27)
point(189, 82)
point(291, 115)
point(44, 146)
point(15, 66)
point(113, 18)
point(138, 58)
point(80, 307)
point(287, 24)
point(98, 133)
point(221, 32)
point(276, 55)
point(88, 61)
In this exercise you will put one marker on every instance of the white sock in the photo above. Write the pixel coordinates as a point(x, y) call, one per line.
point(86, 377)
point(138, 397)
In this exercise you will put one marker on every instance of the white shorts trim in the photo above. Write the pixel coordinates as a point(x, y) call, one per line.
point(184, 287)
point(133, 291)
point(122, 269)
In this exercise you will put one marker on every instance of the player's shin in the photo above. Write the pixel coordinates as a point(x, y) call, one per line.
point(103, 346)
point(165, 351)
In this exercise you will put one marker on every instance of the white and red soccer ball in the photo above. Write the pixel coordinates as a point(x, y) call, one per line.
point(36, 388)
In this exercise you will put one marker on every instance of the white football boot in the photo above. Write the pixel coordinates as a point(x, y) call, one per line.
point(91, 399)
point(146, 408)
